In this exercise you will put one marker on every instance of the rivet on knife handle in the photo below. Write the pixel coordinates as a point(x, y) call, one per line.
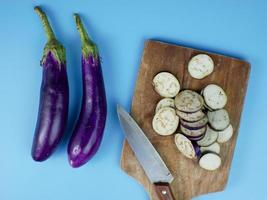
point(164, 191)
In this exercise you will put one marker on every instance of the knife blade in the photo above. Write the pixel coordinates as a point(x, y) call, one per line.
point(150, 160)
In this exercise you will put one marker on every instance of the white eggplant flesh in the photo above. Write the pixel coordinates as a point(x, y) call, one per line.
point(213, 148)
point(200, 66)
point(166, 84)
point(185, 146)
point(193, 132)
point(165, 121)
point(165, 102)
point(219, 119)
point(210, 161)
point(189, 101)
point(198, 124)
point(214, 96)
point(207, 107)
point(226, 134)
point(195, 139)
point(209, 138)
point(191, 117)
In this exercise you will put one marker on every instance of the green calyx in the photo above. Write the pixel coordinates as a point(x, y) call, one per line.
point(52, 45)
point(88, 46)
point(56, 49)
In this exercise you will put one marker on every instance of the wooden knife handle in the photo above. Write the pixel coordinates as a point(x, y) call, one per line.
point(164, 191)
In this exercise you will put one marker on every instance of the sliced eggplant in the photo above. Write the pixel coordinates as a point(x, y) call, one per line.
point(193, 132)
point(198, 124)
point(210, 161)
point(196, 138)
point(207, 107)
point(189, 101)
point(214, 96)
point(209, 138)
point(166, 102)
point(191, 117)
point(165, 121)
point(186, 147)
point(166, 84)
point(219, 119)
point(225, 134)
point(200, 66)
point(213, 148)
point(197, 149)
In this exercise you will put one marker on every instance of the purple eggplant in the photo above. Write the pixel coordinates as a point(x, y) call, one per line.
point(88, 131)
point(54, 96)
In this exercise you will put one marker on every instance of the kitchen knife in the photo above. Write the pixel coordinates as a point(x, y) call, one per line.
point(153, 165)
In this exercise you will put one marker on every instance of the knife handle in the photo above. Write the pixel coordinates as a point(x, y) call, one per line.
point(164, 191)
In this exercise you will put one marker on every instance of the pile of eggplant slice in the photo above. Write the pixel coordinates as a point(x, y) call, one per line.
point(198, 120)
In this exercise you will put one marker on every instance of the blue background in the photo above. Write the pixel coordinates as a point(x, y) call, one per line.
point(120, 27)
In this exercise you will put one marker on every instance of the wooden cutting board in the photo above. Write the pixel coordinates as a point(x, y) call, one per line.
point(230, 73)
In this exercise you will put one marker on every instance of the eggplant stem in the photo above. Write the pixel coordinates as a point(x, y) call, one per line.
point(88, 46)
point(47, 27)
point(83, 33)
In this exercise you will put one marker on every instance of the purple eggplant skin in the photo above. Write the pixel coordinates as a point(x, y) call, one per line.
point(54, 96)
point(89, 129)
point(197, 138)
point(197, 149)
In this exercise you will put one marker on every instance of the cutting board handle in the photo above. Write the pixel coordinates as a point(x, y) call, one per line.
point(164, 191)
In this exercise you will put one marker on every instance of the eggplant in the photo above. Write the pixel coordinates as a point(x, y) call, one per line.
point(200, 66)
point(213, 148)
point(89, 129)
point(54, 96)
point(210, 161)
point(197, 149)
point(214, 97)
point(209, 138)
point(195, 125)
point(219, 119)
point(165, 102)
point(191, 117)
point(166, 84)
point(165, 122)
point(196, 138)
point(193, 132)
point(189, 101)
point(188, 148)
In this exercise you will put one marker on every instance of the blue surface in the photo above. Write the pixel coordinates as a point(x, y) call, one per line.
point(120, 28)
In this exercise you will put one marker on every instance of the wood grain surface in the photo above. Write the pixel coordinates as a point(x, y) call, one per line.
point(190, 180)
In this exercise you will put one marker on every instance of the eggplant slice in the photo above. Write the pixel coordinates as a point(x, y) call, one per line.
point(165, 121)
point(189, 101)
point(200, 66)
point(166, 84)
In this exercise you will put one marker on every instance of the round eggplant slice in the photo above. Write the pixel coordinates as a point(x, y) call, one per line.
point(209, 138)
point(197, 138)
point(189, 101)
point(166, 102)
point(213, 148)
point(200, 66)
point(191, 117)
point(225, 134)
point(198, 124)
point(185, 146)
point(193, 132)
point(210, 161)
point(166, 84)
point(214, 96)
point(207, 107)
point(165, 121)
point(219, 119)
